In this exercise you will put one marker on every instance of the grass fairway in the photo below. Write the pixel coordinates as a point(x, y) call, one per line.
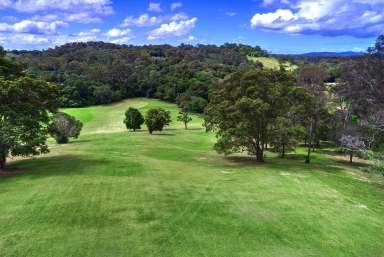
point(115, 193)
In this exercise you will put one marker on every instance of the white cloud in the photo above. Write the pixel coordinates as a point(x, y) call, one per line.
point(115, 32)
point(82, 11)
point(154, 7)
point(271, 19)
point(174, 6)
point(179, 17)
point(15, 39)
point(141, 21)
point(173, 29)
point(94, 6)
point(37, 27)
point(122, 40)
point(359, 18)
point(32, 27)
point(83, 17)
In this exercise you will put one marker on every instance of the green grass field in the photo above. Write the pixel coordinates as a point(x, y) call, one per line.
point(273, 63)
point(116, 193)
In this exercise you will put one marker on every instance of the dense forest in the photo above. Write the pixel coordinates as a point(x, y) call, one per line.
point(100, 73)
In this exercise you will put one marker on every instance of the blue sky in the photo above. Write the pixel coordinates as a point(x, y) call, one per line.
point(279, 26)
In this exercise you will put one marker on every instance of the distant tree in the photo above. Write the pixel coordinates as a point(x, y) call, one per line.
point(184, 117)
point(312, 77)
point(352, 144)
point(64, 126)
point(286, 134)
point(133, 119)
point(244, 107)
point(25, 107)
point(2, 52)
point(157, 119)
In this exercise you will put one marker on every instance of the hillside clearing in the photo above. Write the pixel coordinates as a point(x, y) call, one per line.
point(272, 63)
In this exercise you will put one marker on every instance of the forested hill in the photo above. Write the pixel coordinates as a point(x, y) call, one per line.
point(98, 73)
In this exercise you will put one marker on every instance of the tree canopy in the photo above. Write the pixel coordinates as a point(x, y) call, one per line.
point(25, 107)
point(133, 119)
point(64, 126)
point(157, 119)
point(99, 73)
point(244, 106)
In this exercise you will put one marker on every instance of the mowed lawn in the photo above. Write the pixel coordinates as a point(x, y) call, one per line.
point(116, 193)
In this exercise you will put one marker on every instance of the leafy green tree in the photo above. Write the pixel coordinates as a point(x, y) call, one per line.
point(133, 119)
point(184, 117)
point(286, 133)
point(25, 107)
point(64, 126)
point(157, 119)
point(243, 108)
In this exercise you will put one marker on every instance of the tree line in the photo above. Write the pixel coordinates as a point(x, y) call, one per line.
point(100, 73)
point(254, 109)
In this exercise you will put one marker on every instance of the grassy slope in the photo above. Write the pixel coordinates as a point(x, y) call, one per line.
point(272, 63)
point(132, 194)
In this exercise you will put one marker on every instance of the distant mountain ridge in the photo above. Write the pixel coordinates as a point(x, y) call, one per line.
point(337, 54)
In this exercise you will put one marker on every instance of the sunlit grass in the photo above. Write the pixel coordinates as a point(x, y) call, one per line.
point(170, 194)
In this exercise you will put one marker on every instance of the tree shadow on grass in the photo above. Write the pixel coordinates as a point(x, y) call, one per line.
point(163, 134)
point(53, 166)
point(244, 160)
point(291, 163)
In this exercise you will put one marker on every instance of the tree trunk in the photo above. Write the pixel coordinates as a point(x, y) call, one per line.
point(186, 126)
point(260, 155)
point(308, 160)
point(3, 161)
point(351, 157)
point(283, 152)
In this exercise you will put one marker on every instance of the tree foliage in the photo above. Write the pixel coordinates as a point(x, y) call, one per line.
point(184, 117)
point(133, 119)
point(286, 134)
point(25, 106)
point(99, 73)
point(157, 119)
point(244, 107)
point(64, 126)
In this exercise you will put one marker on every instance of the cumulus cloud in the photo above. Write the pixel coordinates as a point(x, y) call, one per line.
point(358, 18)
point(95, 6)
point(141, 21)
point(173, 29)
point(115, 32)
point(154, 7)
point(32, 27)
point(82, 11)
point(174, 6)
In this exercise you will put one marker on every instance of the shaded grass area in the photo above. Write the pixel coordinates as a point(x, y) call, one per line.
point(132, 194)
